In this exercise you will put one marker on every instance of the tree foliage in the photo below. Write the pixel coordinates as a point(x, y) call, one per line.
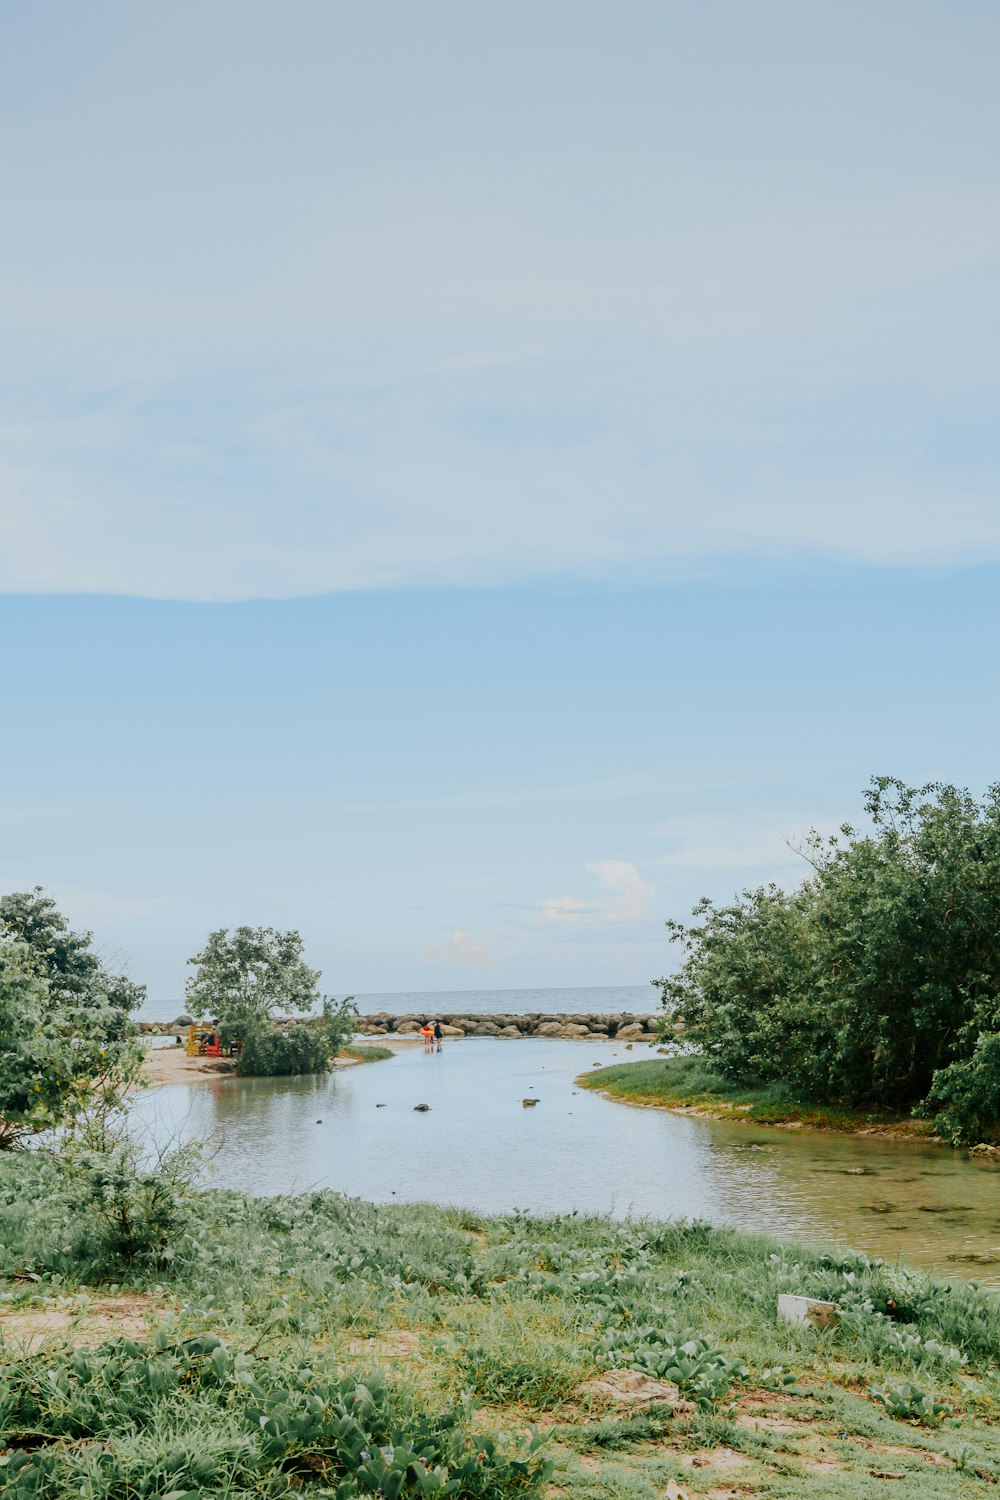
point(877, 981)
point(246, 978)
point(63, 1055)
point(67, 961)
point(250, 975)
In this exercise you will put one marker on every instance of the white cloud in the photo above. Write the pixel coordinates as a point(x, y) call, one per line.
point(626, 902)
point(461, 948)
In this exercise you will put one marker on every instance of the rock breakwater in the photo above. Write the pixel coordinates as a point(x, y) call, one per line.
point(620, 1027)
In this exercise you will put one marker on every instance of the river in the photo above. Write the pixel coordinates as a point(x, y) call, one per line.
point(477, 1146)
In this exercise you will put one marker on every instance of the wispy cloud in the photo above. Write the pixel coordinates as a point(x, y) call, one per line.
point(626, 901)
point(461, 948)
point(759, 842)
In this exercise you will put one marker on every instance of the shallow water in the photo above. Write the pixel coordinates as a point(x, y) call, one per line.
point(479, 1147)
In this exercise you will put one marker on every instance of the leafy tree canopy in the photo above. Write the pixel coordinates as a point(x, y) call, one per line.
point(250, 975)
point(63, 1056)
point(65, 958)
point(876, 981)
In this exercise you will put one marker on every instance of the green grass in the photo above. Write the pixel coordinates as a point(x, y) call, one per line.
point(290, 1337)
point(690, 1083)
point(366, 1054)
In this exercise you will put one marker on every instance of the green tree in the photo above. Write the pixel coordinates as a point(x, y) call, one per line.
point(251, 975)
point(66, 959)
point(63, 1057)
point(876, 981)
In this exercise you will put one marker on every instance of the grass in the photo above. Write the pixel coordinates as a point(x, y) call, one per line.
point(366, 1054)
point(689, 1083)
point(327, 1348)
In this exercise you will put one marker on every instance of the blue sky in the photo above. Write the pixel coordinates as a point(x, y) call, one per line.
point(474, 478)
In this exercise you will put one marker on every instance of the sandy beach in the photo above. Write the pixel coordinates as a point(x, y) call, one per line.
point(163, 1065)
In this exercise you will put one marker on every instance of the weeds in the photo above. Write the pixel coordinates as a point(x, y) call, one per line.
point(280, 1312)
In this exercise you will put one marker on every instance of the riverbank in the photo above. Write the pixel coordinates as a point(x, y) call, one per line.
point(685, 1085)
point(281, 1330)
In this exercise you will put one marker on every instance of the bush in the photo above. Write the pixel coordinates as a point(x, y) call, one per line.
point(964, 1098)
point(275, 1051)
point(876, 977)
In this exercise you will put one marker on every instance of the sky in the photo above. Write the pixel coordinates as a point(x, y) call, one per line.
point(474, 478)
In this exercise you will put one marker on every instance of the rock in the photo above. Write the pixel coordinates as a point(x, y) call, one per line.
point(549, 1028)
point(629, 1033)
point(572, 1028)
point(183, 1021)
point(528, 1103)
point(452, 1030)
point(380, 1106)
point(509, 1031)
point(420, 1109)
point(408, 1028)
point(486, 1028)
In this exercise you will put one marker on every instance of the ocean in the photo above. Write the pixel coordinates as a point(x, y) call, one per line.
point(581, 1000)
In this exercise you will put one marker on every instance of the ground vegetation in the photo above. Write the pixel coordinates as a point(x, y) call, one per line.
point(319, 1346)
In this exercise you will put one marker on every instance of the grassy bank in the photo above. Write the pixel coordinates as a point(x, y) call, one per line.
point(358, 1052)
point(326, 1347)
point(688, 1083)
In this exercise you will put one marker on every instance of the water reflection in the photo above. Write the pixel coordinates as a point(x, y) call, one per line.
point(477, 1146)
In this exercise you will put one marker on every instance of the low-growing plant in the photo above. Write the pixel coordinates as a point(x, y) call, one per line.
point(704, 1374)
point(149, 1402)
point(909, 1403)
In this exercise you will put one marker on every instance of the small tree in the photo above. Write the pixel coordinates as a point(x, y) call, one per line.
point(248, 977)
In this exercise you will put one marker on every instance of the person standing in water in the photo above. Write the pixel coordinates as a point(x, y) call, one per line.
point(438, 1035)
point(427, 1032)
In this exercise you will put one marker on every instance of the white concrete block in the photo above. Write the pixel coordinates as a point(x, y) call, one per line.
point(808, 1310)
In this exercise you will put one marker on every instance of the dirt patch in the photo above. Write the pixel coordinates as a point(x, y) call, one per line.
point(715, 1458)
point(768, 1414)
point(26, 1329)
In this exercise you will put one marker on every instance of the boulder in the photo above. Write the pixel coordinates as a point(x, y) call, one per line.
point(407, 1028)
point(509, 1031)
point(452, 1030)
point(549, 1028)
point(486, 1028)
point(630, 1033)
point(572, 1028)
point(183, 1021)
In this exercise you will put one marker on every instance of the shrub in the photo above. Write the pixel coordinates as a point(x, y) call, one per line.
point(273, 1051)
point(964, 1098)
point(134, 1211)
